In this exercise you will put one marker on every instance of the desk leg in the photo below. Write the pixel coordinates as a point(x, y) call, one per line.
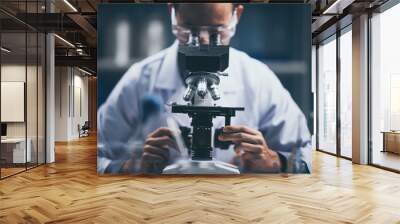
point(384, 142)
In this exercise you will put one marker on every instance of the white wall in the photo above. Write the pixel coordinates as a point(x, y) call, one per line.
point(71, 94)
point(62, 81)
point(12, 73)
point(16, 73)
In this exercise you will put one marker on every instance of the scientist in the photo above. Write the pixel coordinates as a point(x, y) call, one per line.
point(271, 135)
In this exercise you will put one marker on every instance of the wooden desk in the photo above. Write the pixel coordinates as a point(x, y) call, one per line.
point(391, 141)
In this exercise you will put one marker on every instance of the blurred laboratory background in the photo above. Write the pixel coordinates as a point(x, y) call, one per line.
point(277, 34)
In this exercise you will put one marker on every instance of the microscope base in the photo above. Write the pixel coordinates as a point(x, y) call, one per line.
point(201, 167)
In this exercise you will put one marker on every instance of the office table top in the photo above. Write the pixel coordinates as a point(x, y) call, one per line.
point(390, 132)
point(12, 140)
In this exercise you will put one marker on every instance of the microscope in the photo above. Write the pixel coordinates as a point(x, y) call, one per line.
point(204, 65)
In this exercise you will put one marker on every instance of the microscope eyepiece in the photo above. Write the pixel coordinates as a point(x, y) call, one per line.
point(215, 39)
point(194, 40)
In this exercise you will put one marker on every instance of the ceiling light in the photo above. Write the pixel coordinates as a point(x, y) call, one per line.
point(65, 41)
point(5, 50)
point(70, 5)
point(337, 7)
point(84, 71)
point(80, 51)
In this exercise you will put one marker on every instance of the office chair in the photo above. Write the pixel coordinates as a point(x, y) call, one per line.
point(84, 130)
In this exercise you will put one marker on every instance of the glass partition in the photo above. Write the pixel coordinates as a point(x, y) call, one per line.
point(14, 151)
point(385, 89)
point(327, 96)
point(22, 67)
point(346, 93)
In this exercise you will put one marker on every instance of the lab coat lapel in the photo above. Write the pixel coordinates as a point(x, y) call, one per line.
point(168, 76)
point(177, 97)
point(170, 84)
point(231, 85)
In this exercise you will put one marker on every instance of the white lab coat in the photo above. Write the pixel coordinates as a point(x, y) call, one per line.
point(250, 84)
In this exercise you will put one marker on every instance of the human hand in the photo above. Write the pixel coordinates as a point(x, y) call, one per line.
point(156, 150)
point(256, 156)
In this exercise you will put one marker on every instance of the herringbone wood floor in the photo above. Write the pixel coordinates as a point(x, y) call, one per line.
point(70, 191)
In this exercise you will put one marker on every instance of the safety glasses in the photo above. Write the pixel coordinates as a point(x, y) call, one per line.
point(215, 35)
